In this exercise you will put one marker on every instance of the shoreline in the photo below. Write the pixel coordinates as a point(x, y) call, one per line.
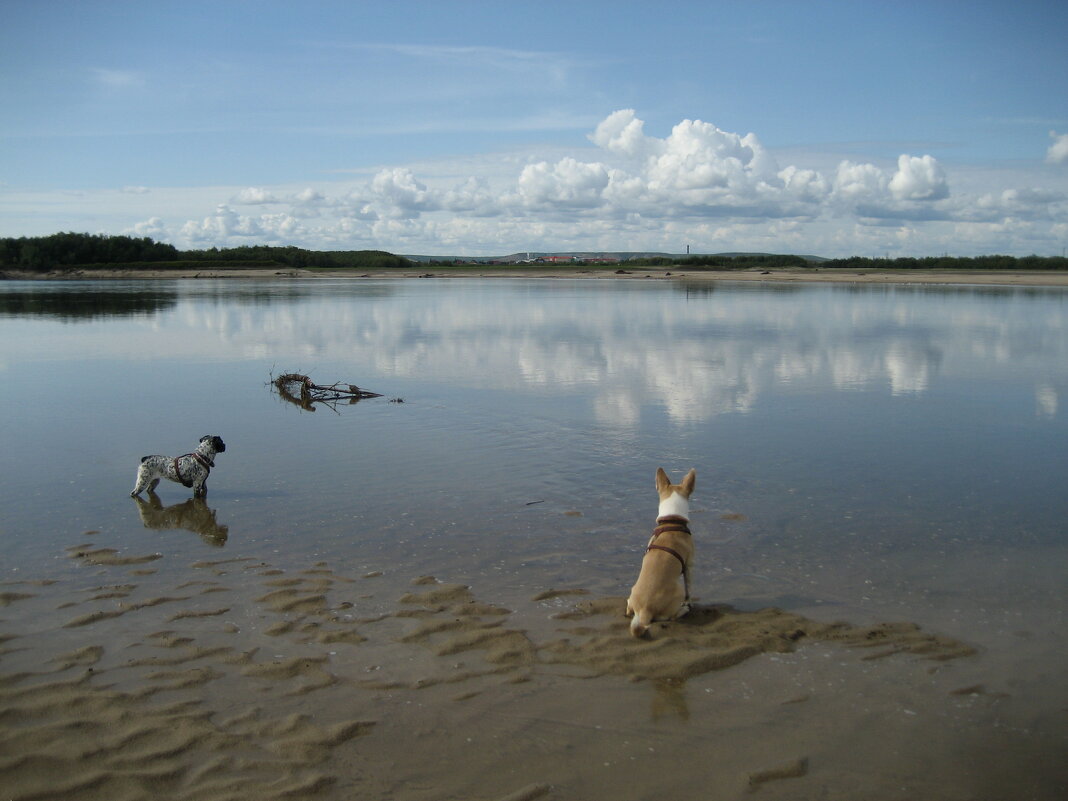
point(988, 278)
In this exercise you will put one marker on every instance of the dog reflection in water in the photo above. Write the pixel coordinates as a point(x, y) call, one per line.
point(191, 515)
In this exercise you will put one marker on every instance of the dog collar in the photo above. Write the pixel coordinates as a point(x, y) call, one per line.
point(675, 523)
point(208, 463)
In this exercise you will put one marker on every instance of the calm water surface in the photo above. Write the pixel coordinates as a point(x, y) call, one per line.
point(863, 452)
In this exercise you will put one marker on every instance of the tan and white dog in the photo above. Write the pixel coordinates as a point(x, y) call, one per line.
point(658, 594)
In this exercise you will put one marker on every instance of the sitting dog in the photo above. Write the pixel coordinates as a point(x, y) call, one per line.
point(190, 470)
point(658, 594)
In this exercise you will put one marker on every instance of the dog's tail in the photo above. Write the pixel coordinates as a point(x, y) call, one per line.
point(639, 624)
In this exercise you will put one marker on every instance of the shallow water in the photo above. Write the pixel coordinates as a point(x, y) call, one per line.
point(864, 453)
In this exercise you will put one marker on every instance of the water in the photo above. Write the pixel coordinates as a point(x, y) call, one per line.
point(863, 452)
point(849, 425)
point(903, 414)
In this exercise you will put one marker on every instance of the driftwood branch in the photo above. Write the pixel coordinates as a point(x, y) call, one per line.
point(305, 393)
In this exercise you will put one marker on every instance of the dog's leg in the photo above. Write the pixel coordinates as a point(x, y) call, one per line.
point(153, 484)
point(200, 490)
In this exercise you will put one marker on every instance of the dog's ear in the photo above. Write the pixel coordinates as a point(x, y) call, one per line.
point(662, 480)
point(688, 482)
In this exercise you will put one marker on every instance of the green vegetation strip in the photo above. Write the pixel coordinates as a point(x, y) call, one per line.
point(74, 251)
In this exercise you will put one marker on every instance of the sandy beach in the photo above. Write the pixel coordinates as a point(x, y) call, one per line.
point(992, 278)
point(230, 679)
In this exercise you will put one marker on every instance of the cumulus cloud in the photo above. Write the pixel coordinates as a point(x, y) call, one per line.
point(254, 196)
point(700, 155)
point(859, 181)
point(698, 170)
point(919, 179)
point(309, 197)
point(399, 192)
point(621, 132)
point(568, 183)
point(1058, 151)
point(804, 184)
point(153, 227)
point(224, 225)
point(699, 184)
point(474, 196)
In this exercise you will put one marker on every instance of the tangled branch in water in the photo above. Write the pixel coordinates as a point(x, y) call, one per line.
point(302, 391)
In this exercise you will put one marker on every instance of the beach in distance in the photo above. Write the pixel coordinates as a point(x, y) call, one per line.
point(987, 277)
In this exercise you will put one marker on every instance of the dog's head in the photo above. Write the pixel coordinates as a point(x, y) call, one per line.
point(665, 488)
point(674, 498)
point(217, 444)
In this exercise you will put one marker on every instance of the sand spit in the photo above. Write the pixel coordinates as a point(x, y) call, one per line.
point(313, 684)
point(988, 277)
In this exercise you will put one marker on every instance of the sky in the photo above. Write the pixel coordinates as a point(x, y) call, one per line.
point(488, 128)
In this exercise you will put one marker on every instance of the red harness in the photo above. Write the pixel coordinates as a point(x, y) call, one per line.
point(206, 463)
point(676, 524)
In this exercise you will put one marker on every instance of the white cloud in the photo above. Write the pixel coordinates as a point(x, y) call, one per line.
point(806, 185)
point(309, 197)
point(1058, 151)
point(254, 195)
point(700, 186)
point(153, 227)
point(223, 226)
point(566, 184)
point(859, 181)
point(400, 194)
point(621, 132)
point(473, 196)
point(919, 179)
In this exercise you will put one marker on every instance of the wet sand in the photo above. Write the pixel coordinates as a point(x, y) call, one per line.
point(984, 277)
point(233, 679)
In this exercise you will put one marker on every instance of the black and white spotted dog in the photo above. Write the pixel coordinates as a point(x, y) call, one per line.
point(190, 470)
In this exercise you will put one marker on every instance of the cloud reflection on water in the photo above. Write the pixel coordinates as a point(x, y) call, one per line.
point(693, 350)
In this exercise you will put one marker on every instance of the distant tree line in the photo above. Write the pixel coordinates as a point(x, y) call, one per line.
point(773, 261)
point(300, 258)
point(40, 253)
point(951, 263)
point(88, 251)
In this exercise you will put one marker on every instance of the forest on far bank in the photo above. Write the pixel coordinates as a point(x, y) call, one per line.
point(785, 261)
point(67, 251)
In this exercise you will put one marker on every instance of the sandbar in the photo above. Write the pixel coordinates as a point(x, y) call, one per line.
point(1036, 278)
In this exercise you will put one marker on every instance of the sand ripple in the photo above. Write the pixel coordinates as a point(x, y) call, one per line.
point(154, 692)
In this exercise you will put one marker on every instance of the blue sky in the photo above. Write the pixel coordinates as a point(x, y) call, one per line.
point(483, 128)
